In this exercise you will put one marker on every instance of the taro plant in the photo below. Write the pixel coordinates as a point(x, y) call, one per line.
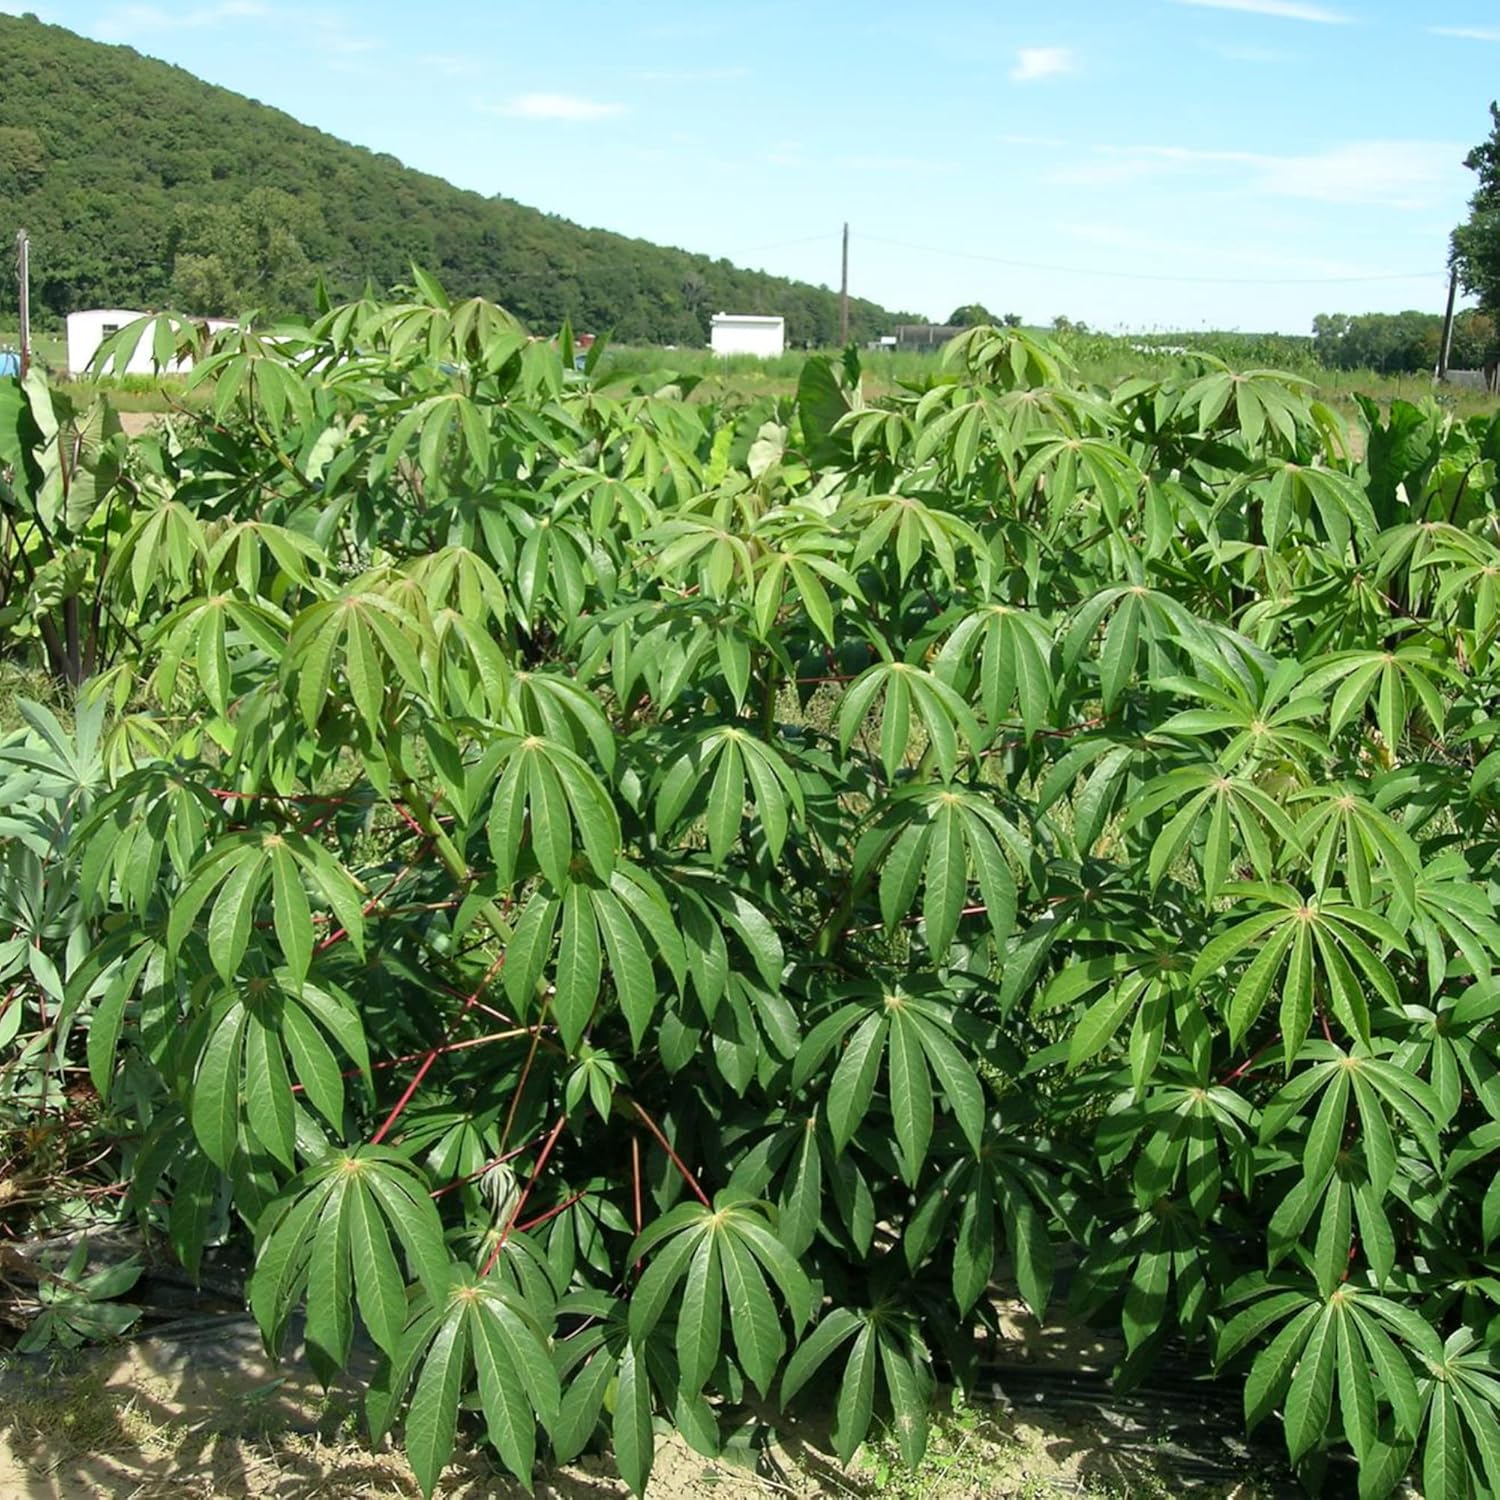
point(635, 906)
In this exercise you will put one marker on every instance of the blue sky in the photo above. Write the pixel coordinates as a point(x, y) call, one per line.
point(1228, 163)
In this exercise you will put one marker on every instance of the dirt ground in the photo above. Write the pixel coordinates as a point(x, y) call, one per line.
point(203, 1414)
point(134, 423)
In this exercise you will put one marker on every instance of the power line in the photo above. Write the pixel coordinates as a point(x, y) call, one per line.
point(1032, 265)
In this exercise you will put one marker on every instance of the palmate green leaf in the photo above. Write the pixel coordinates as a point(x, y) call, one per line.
point(242, 1067)
point(1349, 841)
point(367, 636)
point(742, 1252)
point(1398, 681)
point(619, 929)
point(715, 770)
point(905, 690)
point(1222, 820)
point(1000, 1199)
point(943, 837)
point(1336, 952)
point(548, 794)
point(240, 867)
point(911, 528)
point(329, 1235)
point(1137, 615)
point(1008, 652)
point(875, 1348)
point(915, 1037)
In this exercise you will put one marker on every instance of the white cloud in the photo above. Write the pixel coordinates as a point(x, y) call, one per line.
point(554, 107)
point(1033, 63)
point(1468, 33)
point(1051, 142)
point(1285, 10)
point(1403, 175)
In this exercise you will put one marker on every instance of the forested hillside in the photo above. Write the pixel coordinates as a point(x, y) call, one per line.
point(142, 186)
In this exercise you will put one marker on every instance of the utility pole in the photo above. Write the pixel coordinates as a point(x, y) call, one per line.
point(1445, 349)
point(844, 294)
point(23, 278)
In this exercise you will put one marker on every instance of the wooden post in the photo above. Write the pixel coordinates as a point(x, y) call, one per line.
point(844, 294)
point(23, 277)
point(1445, 348)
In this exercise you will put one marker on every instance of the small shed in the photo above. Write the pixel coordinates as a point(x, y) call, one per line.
point(747, 333)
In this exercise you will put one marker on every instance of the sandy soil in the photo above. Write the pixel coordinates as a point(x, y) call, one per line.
point(204, 1414)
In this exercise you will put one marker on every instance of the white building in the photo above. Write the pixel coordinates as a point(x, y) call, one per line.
point(747, 333)
point(88, 330)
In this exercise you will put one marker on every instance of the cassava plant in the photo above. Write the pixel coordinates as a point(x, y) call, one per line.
point(635, 905)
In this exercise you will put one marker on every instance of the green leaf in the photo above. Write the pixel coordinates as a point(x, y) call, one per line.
point(1309, 1399)
point(377, 1281)
point(216, 1087)
point(910, 1095)
point(635, 1444)
point(230, 922)
point(268, 1092)
point(1271, 1373)
point(1445, 1467)
point(432, 1418)
point(910, 1399)
point(856, 1401)
point(853, 1083)
point(700, 1317)
point(508, 1420)
point(758, 1339)
point(293, 916)
point(1356, 1392)
point(579, 967)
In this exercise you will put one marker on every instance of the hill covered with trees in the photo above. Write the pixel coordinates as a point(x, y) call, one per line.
point(143, 186)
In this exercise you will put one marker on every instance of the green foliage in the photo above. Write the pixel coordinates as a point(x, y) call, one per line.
point(1409, 342)
point(648, 905)
point(1476, 242)
point(144, 187)
point(977, 315)
point(77, 1305)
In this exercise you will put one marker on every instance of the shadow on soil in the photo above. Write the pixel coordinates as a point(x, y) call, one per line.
point(197, 1410)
